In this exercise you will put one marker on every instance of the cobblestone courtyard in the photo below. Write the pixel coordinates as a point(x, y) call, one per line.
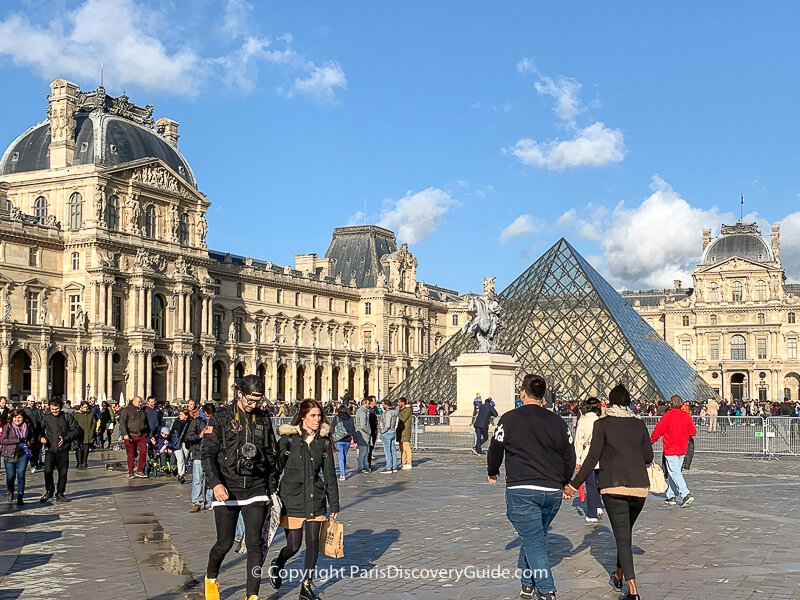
point(121, 539)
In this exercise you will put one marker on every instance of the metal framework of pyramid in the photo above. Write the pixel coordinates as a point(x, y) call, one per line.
point(562, 320)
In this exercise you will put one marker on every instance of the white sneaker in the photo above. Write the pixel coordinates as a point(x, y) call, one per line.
point(591, 520)
point(406, 467)
point(600, 512)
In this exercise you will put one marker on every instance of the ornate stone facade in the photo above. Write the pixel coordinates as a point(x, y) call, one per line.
point(108, 287)
point(738, 325)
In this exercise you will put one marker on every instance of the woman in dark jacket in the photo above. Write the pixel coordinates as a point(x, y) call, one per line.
point(88, 424)
point(17, 430)
point(308, 488)
point(108, 419)
point(621, 444)
point(343, 431)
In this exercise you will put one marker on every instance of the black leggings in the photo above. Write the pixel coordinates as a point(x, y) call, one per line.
point(294, 538)
point(225, 518)
point(622, 512)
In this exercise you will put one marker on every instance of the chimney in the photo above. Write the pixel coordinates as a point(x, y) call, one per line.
point(776, 242)
point(706, 238)
point(168, 129)
point(63, 104)
point(677, 284)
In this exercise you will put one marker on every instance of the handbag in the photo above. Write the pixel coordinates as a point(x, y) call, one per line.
point(332, 534)
point(658, 483)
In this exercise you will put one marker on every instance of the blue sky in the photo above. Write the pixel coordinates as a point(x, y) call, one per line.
point(480, 134)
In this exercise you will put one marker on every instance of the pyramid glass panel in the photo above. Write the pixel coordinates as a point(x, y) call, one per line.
point(562, 320)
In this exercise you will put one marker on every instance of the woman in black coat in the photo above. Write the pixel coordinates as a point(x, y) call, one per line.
point(621, 444)
point(307, 490)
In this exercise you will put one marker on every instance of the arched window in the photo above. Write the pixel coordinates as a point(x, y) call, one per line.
point(761, 290)
point(40, 208)
point(685, 321)
point(713, 292)
point(738, 348)
point(75, 211)
point(713, 319)
point(112, 213)
point(183, 230)
point(150, 221)
point(761, 319)
point(159, 315)
point(736, 291)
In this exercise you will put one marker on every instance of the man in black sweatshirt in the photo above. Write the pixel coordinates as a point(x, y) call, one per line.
point(540, 458)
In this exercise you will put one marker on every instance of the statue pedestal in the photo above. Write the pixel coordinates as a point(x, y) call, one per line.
point(491, 375)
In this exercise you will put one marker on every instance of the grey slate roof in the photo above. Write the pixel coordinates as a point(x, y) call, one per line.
point(356, 253)
point(101, 139)
point(743, 240)
point(792, 288)
point(653, 297)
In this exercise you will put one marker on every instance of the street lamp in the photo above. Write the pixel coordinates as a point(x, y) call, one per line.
point(762, 389)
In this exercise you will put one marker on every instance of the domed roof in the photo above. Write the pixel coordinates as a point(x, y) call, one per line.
point(740, 240)
point(101, 138)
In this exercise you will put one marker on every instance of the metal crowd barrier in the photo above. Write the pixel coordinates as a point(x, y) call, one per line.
point(753, 436)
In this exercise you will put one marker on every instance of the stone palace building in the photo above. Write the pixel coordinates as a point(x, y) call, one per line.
point(737, 326)
point(108, 288)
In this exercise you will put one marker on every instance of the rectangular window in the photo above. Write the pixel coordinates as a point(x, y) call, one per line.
point(713, 349)
point(314, 301)
point(368, 308)
point(297, 298)
point(686, 349)
point(116, 312)
point(258, 332)
point(239, 328)
point(239, 290)
point(455, 319)
point(33, 257)
point(217, 326)
point(330, 304)
point(791, 348)
point(279, 296)
point(32, 308)
point(762, 394)
point(347, 306)
point(74, 308)
point(259, 291)
point(435, 318)
point(762, 347)
point(368, 341)
point(217, 287)
point(76, 261)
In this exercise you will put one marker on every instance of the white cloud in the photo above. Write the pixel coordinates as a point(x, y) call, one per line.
point(565, 90)
point(657, 241)
point(593, 146)
point(522, 225)
point(589, 222)
point(138, 51)
point(320, 83)
point(790, 245)
point(357, 219)
point(416, 216)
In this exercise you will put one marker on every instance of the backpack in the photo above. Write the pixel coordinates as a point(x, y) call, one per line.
point(340, 431)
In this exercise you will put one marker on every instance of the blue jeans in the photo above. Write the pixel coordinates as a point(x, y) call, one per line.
point(16, 470)
point(387, 439)
point(341, 455)
point(677, 484)
point(363, 457)
point(199, 489)
point(531, 512)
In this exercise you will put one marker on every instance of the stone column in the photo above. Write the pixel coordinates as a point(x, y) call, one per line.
point(101, 361)
point(141, 295)
point(109, 304)
point(179, 390)
point(148, 382)
point(148, 310)
point(110, 374)
point(203, 377)
point(102, 291)
point(273, 376)
point(6, 373)
point(81, 374)
point(203, 315)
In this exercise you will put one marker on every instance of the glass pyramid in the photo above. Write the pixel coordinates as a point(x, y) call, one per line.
point(562, 320)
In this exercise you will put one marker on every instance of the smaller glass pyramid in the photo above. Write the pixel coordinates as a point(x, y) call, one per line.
point(563, 321)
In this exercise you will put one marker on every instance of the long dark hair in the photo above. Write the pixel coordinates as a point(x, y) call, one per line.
point(304, 408)
point(14, 412)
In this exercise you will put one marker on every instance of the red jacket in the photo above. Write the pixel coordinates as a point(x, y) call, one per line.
point(676, 426)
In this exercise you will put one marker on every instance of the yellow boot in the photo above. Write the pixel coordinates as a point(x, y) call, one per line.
point(253, 597)
point(212, 589)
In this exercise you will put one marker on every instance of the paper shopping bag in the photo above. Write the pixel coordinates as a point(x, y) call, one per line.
point(332, 538)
